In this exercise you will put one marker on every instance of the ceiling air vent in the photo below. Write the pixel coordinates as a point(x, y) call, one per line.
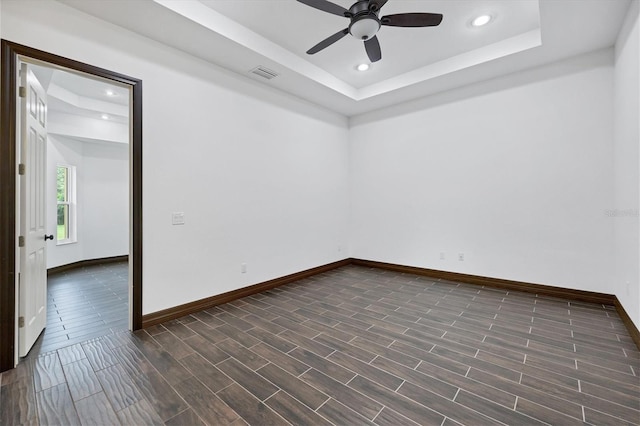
point(264, 72)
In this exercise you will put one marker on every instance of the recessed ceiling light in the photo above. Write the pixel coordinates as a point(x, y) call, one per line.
point(110, 92)
point(104, 116)
point(362, 67)
point(481, 20)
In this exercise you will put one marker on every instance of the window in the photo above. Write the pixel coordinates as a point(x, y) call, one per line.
point(65, 209)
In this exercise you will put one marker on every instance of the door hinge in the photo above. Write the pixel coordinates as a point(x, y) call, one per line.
point(20, 322)
point(21, 168)
point(20, 241)
point(22, 92)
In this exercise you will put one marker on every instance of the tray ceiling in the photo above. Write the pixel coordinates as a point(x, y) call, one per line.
point(241, 34)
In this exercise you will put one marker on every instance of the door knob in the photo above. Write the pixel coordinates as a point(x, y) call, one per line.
point(48, 237)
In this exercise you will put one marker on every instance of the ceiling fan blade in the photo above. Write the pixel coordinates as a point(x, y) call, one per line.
point(412, 20)
point(328, 41)
point(373, 49)
point(326, 6)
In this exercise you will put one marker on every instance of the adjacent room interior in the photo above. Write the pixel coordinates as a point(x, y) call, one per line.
point(87, 207)
point(449, 236)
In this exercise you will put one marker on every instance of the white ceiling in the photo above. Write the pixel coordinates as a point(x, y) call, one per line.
point(242, 34)
point(81, 97)
point(75, 94)
point(91, 88)
point(297, 27)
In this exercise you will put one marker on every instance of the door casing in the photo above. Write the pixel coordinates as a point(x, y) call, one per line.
point(10, 52)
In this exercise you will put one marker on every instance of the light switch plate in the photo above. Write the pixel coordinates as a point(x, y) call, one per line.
point(177, 218)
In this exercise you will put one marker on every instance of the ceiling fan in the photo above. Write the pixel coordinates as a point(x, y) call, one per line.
point(365, 23)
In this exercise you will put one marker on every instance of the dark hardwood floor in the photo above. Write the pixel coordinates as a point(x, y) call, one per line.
point(84, 303)
point(353, 346)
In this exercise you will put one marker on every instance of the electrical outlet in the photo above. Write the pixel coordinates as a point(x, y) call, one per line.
point(177, 218)
point(339, 248)
point(243, 268)
point(441, 255)
point(461, 257)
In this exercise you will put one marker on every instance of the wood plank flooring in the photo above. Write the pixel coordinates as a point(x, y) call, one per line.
point(353, 346)
point(85, 303)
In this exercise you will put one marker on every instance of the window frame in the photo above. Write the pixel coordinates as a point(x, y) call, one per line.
point(72, 235)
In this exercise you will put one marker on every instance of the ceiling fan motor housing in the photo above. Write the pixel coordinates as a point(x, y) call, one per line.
point(365, 23)
point(364, 20)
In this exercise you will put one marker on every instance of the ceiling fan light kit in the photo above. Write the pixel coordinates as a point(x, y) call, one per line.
point(364, 28)
point(365, 23)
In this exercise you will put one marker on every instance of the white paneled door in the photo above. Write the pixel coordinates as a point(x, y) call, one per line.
point(33, 253)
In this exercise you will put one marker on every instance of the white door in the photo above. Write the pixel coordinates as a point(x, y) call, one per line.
point(33, 258)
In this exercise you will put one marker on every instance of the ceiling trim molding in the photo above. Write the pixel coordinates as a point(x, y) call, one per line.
point(510, 46)
point(90, 104)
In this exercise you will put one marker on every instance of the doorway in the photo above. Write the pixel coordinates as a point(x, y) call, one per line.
point(12, 55)
point(86, 206)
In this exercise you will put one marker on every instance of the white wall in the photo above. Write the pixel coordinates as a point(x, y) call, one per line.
point(626, 282)
point(515, 173)
point(102, 190)
point(261, 176)
point(105, 206)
